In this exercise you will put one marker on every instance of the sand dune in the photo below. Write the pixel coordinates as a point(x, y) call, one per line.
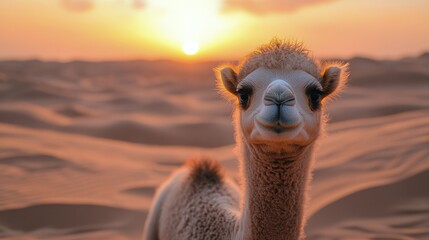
point(138, 129)
point(48, 219)
point(395, 148)
point(84, 145)
point(394, 211)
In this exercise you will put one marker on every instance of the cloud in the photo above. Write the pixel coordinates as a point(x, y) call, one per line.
point(259, 7)
point(87, 5)
point(138, 4)
point(78, 5)
point(270, 6)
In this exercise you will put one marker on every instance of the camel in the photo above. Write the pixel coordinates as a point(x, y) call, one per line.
point(279, 92)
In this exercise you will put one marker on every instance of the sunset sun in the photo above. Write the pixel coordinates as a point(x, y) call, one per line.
point(190, 47)
point(186, 26)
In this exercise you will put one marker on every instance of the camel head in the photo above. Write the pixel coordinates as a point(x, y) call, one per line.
point(279, 94)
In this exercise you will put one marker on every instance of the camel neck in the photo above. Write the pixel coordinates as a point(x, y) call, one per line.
point(274, 194)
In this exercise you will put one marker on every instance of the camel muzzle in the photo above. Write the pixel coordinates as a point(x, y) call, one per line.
point(279, 112)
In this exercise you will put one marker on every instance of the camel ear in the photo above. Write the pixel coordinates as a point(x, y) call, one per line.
point(227, 79)
point(334, 77)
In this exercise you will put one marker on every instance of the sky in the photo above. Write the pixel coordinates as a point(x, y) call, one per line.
point(209, 29)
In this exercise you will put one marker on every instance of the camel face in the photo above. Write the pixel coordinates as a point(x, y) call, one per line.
point(279, 108)
point(278, 92)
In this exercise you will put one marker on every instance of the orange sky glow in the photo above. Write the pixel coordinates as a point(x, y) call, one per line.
point(218, 29)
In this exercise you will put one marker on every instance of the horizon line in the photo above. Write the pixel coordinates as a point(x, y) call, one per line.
point(192, 60)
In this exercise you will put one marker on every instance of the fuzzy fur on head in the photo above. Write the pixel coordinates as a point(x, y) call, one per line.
point(279, 54)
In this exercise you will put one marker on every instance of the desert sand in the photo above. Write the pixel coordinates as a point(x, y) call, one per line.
point(84, 145)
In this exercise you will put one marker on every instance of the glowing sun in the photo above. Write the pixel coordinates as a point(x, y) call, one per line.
point(190, 47)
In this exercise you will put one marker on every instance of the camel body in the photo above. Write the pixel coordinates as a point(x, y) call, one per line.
point(279, 93)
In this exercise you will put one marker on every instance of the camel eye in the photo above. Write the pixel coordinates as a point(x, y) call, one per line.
point(314, 97)
point(244, 97)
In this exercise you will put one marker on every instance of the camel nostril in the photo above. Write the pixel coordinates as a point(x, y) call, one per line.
point(268, 100)
point(279, 100)
point(290, 101)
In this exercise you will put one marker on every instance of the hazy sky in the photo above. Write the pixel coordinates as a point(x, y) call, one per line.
point(223, 29)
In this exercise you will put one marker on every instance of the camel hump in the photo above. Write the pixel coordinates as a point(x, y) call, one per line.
point(205, 170)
